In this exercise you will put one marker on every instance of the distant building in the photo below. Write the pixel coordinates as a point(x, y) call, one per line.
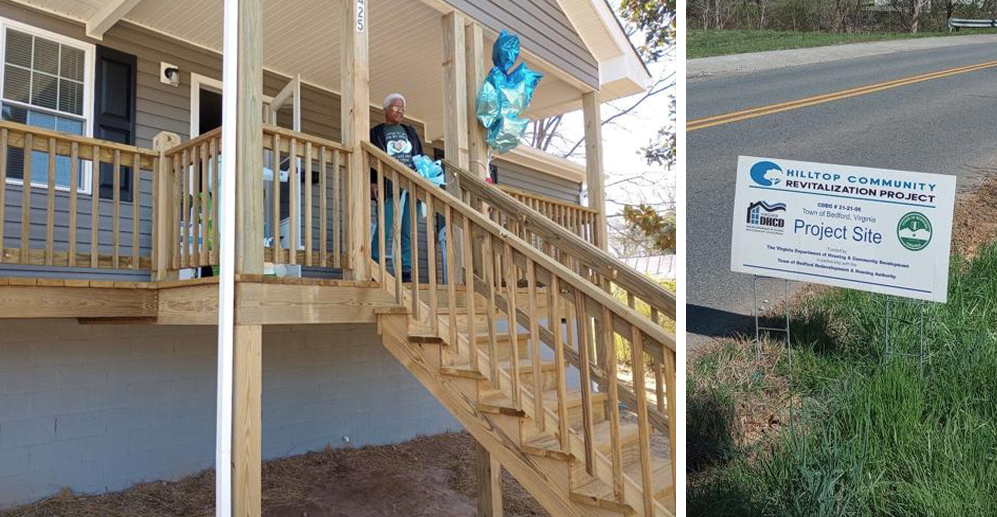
point(658, 266)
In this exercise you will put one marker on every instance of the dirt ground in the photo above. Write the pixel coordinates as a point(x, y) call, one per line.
point(428, 476)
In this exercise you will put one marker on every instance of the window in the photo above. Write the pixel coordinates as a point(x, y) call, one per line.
point(45, 83)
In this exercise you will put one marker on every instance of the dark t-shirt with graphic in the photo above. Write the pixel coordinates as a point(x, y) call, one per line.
point(398, 145)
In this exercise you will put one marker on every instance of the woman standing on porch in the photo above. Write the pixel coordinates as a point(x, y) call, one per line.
point(401, 142)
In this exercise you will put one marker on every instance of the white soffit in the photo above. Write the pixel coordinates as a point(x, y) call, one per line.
point(619, 65)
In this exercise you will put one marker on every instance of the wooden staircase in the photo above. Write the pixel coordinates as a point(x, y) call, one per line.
point(521, 347)
point(556, 477)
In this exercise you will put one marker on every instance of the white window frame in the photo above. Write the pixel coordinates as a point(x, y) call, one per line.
point(89, 71)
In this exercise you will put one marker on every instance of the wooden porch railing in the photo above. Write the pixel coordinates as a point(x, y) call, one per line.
point(82, 223)
point(593, 320)
point(580, 220)
point(304, 228)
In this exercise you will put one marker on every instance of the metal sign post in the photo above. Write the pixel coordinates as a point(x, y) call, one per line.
point(759, 328)
point(889, 317)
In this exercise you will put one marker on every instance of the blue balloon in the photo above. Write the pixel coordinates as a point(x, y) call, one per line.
point(523, 74)
point(505, 51)
point(505, 95)
point(488, 105)
point(505, 135)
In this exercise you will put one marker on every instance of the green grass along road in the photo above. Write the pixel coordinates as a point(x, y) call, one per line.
point(873, 436)
point(707, 43)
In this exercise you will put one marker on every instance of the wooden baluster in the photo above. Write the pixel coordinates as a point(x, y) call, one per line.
point(554, 304)
point(336, 224)
point(531, 278)
point(643, 422)
point(176, 199)
point(510, 289)
point(670, 378)
point(185, 222)
point(586, 381)
point(29, 146)
point(275, 205)
point(202, 194)
point(74, 186)
point(383, 253)
point(95, 209)
point(396, 227)
point(413, 195)
point(136, 207)
point(431, 237)
point(609, 343)
point(450, 275)
point(659, 383)
point(323, 208)
point(308, 204)
point(293, 198)
point(472, 335)
point(215, 201)
point(50, 208)
point(488, 268)
point(3, 189)
point(116, 217)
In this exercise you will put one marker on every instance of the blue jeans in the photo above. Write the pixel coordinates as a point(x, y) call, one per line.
point(389, 235)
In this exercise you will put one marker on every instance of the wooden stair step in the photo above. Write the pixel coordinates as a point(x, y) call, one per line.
point(499, 403)
point(661, 474)
point(594, 492)
point(501, 338)
point(526, 366)
point(573, 398)
point(602, 436)
point(426, 338)
point(546, 445)
point(462, 370)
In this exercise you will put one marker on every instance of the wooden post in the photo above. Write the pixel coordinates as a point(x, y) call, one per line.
point(246, 421)
point(593, 165)
point(475, 72)
point(454, 90)
point(455, 111)
point(247, 340)
point(163, 207)
point(355, 86)
point(489, 483)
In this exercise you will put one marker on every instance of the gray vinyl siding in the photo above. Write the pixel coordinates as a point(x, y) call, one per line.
point(518, 177)
point(543, 29)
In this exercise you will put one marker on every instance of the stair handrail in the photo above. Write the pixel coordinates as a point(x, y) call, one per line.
point(607, 265)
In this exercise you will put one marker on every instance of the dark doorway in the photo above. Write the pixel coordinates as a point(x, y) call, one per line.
point(210, 113)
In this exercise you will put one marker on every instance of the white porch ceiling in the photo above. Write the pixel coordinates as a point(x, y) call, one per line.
point(302, 36)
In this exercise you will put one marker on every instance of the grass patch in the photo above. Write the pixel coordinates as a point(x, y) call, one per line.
point(872, 434)
point(706, 43)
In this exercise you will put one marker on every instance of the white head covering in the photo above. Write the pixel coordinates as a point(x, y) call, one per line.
point(391, 98)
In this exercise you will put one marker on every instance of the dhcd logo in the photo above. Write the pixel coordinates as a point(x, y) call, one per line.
point(914, 231)
point(765, 218)
point(766, 174)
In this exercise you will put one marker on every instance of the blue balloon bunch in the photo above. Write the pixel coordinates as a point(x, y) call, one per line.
point(505, 95)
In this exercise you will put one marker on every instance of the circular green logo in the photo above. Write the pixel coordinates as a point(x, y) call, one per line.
point(914, 231)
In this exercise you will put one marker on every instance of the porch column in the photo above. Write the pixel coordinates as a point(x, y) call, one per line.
point(455, 90)
point(593, 165)
point(489, 483)
point(355, 112)
point(474, 45)
point(238, 456)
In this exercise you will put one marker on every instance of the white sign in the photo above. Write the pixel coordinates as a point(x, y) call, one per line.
point(874, 230)
point(361, 15)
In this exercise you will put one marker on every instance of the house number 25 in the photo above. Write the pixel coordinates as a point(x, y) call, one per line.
point(361, 15)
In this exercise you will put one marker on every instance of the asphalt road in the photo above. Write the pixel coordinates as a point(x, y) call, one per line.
point(946, 126)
